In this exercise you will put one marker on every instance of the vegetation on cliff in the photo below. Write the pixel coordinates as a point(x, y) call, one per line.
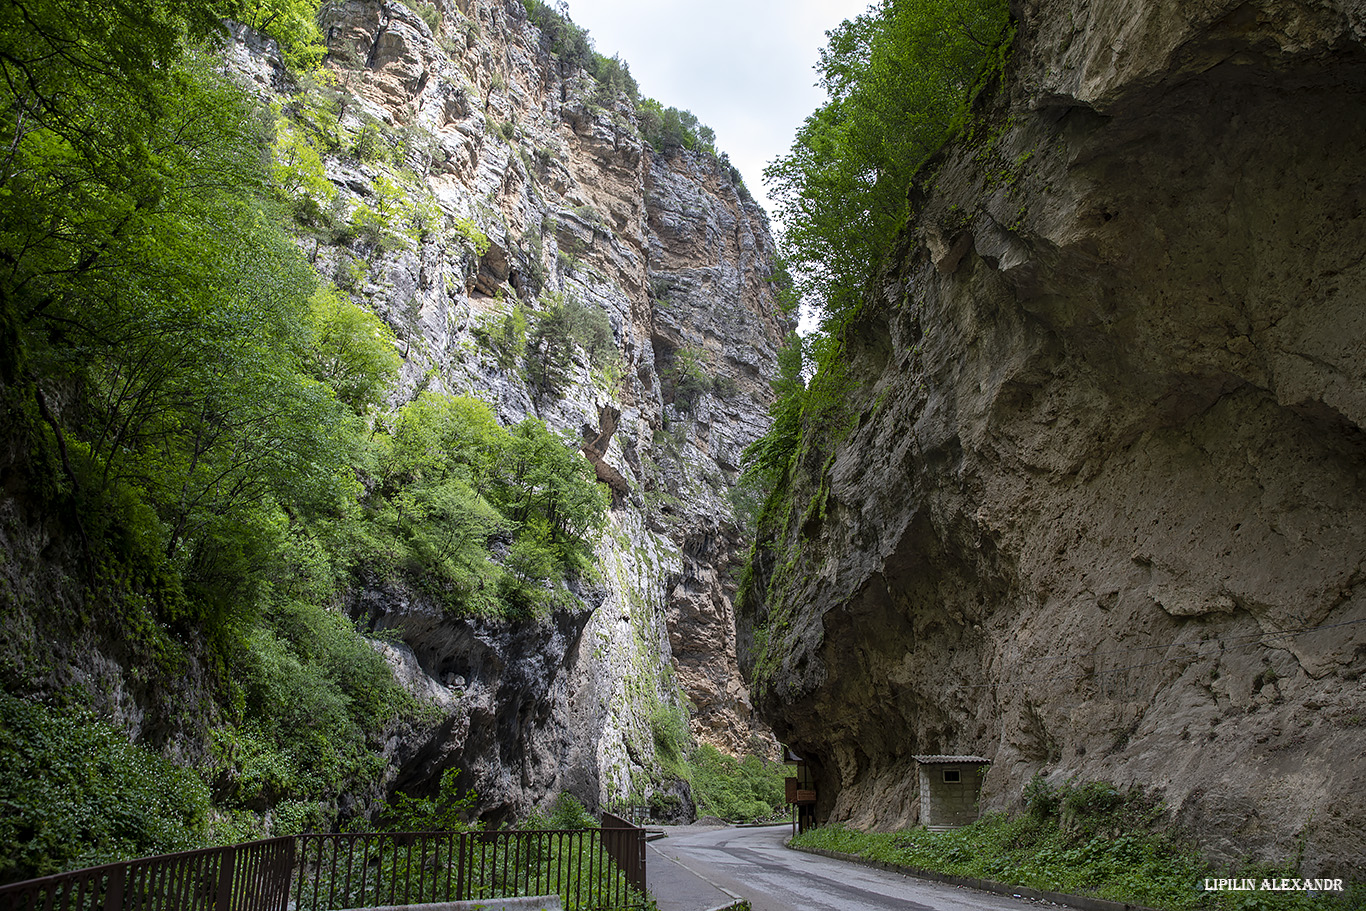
point(900, 80)
point(667, 129)
point(197, 419)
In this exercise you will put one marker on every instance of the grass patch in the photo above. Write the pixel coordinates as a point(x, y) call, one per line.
point(1088, 840)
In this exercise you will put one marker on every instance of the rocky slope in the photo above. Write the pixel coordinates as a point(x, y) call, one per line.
point(496, 130)
point(1103, 513)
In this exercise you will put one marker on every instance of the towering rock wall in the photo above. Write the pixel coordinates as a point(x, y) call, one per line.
point(534, 154)
point(1103, 513)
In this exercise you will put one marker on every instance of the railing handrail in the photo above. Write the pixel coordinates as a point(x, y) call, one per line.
point(270, 874)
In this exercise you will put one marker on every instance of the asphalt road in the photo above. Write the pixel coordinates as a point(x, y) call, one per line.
point(754, 864)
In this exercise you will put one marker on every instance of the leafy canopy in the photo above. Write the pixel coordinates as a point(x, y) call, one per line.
point(452, 482)
point(897, 80)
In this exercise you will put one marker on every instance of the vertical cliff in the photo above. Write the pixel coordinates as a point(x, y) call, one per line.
point(540, 188)
point(1100, 513)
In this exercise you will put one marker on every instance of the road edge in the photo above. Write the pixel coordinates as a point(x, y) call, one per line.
point(1081, 902)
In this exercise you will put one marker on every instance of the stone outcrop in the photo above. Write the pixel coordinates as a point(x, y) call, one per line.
point(509, 142)
point(1103, 511)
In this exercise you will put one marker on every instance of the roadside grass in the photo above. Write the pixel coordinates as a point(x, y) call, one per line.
point(1087, 840)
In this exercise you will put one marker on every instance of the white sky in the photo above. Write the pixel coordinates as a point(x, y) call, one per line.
point(744, 67)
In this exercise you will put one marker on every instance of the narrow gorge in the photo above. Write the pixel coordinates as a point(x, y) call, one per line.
point(405, 415)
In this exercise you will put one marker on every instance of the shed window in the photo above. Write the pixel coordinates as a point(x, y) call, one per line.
point(951, 775)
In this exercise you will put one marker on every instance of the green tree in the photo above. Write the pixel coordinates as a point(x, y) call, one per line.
point(352, 351)
point(452, 482)
point(550, 489)
point(564, 323)
point(897, 79)
point(297, 170)
point(669, 129)
point(148, 287)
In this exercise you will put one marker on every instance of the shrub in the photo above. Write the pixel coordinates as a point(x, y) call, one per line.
point(566, 812)
point(669, 129)
point(77, 793)
point(1041, 799)
point(564, 323)
point(451, 480)
point(448, 811)
point(669, 729)
point(506, 337)
point(740, 790)
point(371, 146)
point(688, 378)
point(470, 231)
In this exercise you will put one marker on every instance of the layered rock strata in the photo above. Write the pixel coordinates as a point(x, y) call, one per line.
point(530, 152)
point(1103, 512)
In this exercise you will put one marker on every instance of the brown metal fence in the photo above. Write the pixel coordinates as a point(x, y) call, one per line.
point(625, 844)
point(249, 877)
point(587, 868)
point(599, 869)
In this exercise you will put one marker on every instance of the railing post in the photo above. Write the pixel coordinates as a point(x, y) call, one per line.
point(113, 897)
point(460, 870)
point(226, 867)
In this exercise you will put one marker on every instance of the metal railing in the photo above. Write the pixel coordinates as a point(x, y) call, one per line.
point(588, 868)
point(249, 877)
point(625, 844)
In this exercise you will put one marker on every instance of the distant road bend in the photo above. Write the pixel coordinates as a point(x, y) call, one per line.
point(754, 864)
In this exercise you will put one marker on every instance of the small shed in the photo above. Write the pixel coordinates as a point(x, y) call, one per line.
point(949, 789)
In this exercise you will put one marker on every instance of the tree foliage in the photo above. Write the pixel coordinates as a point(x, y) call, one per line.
point(204, 417)
point(452, 483)
point(668, 129)
point(292, 23)
point(737, 789)
point(563, 325)
point(897, 80)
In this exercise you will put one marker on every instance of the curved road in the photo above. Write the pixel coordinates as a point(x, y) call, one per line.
point(753, 863)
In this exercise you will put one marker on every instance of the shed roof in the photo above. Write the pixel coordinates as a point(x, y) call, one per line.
point(940, 759)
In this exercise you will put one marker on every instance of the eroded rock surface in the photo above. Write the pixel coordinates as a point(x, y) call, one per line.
point(509, 141)
point(1104, 511)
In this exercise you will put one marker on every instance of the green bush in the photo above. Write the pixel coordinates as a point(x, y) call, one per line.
point(738, 790)
point(506, 338)
point(1090, 839)
point(75, 793)
point(688, 378)
point(1041, 799)
point(669, 129)
point(315, 696)
point(566, 812)
point(562, 324)
point(448, 811)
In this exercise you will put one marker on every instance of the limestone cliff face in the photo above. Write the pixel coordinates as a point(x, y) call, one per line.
point(535, 156)
point(1103, 513)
